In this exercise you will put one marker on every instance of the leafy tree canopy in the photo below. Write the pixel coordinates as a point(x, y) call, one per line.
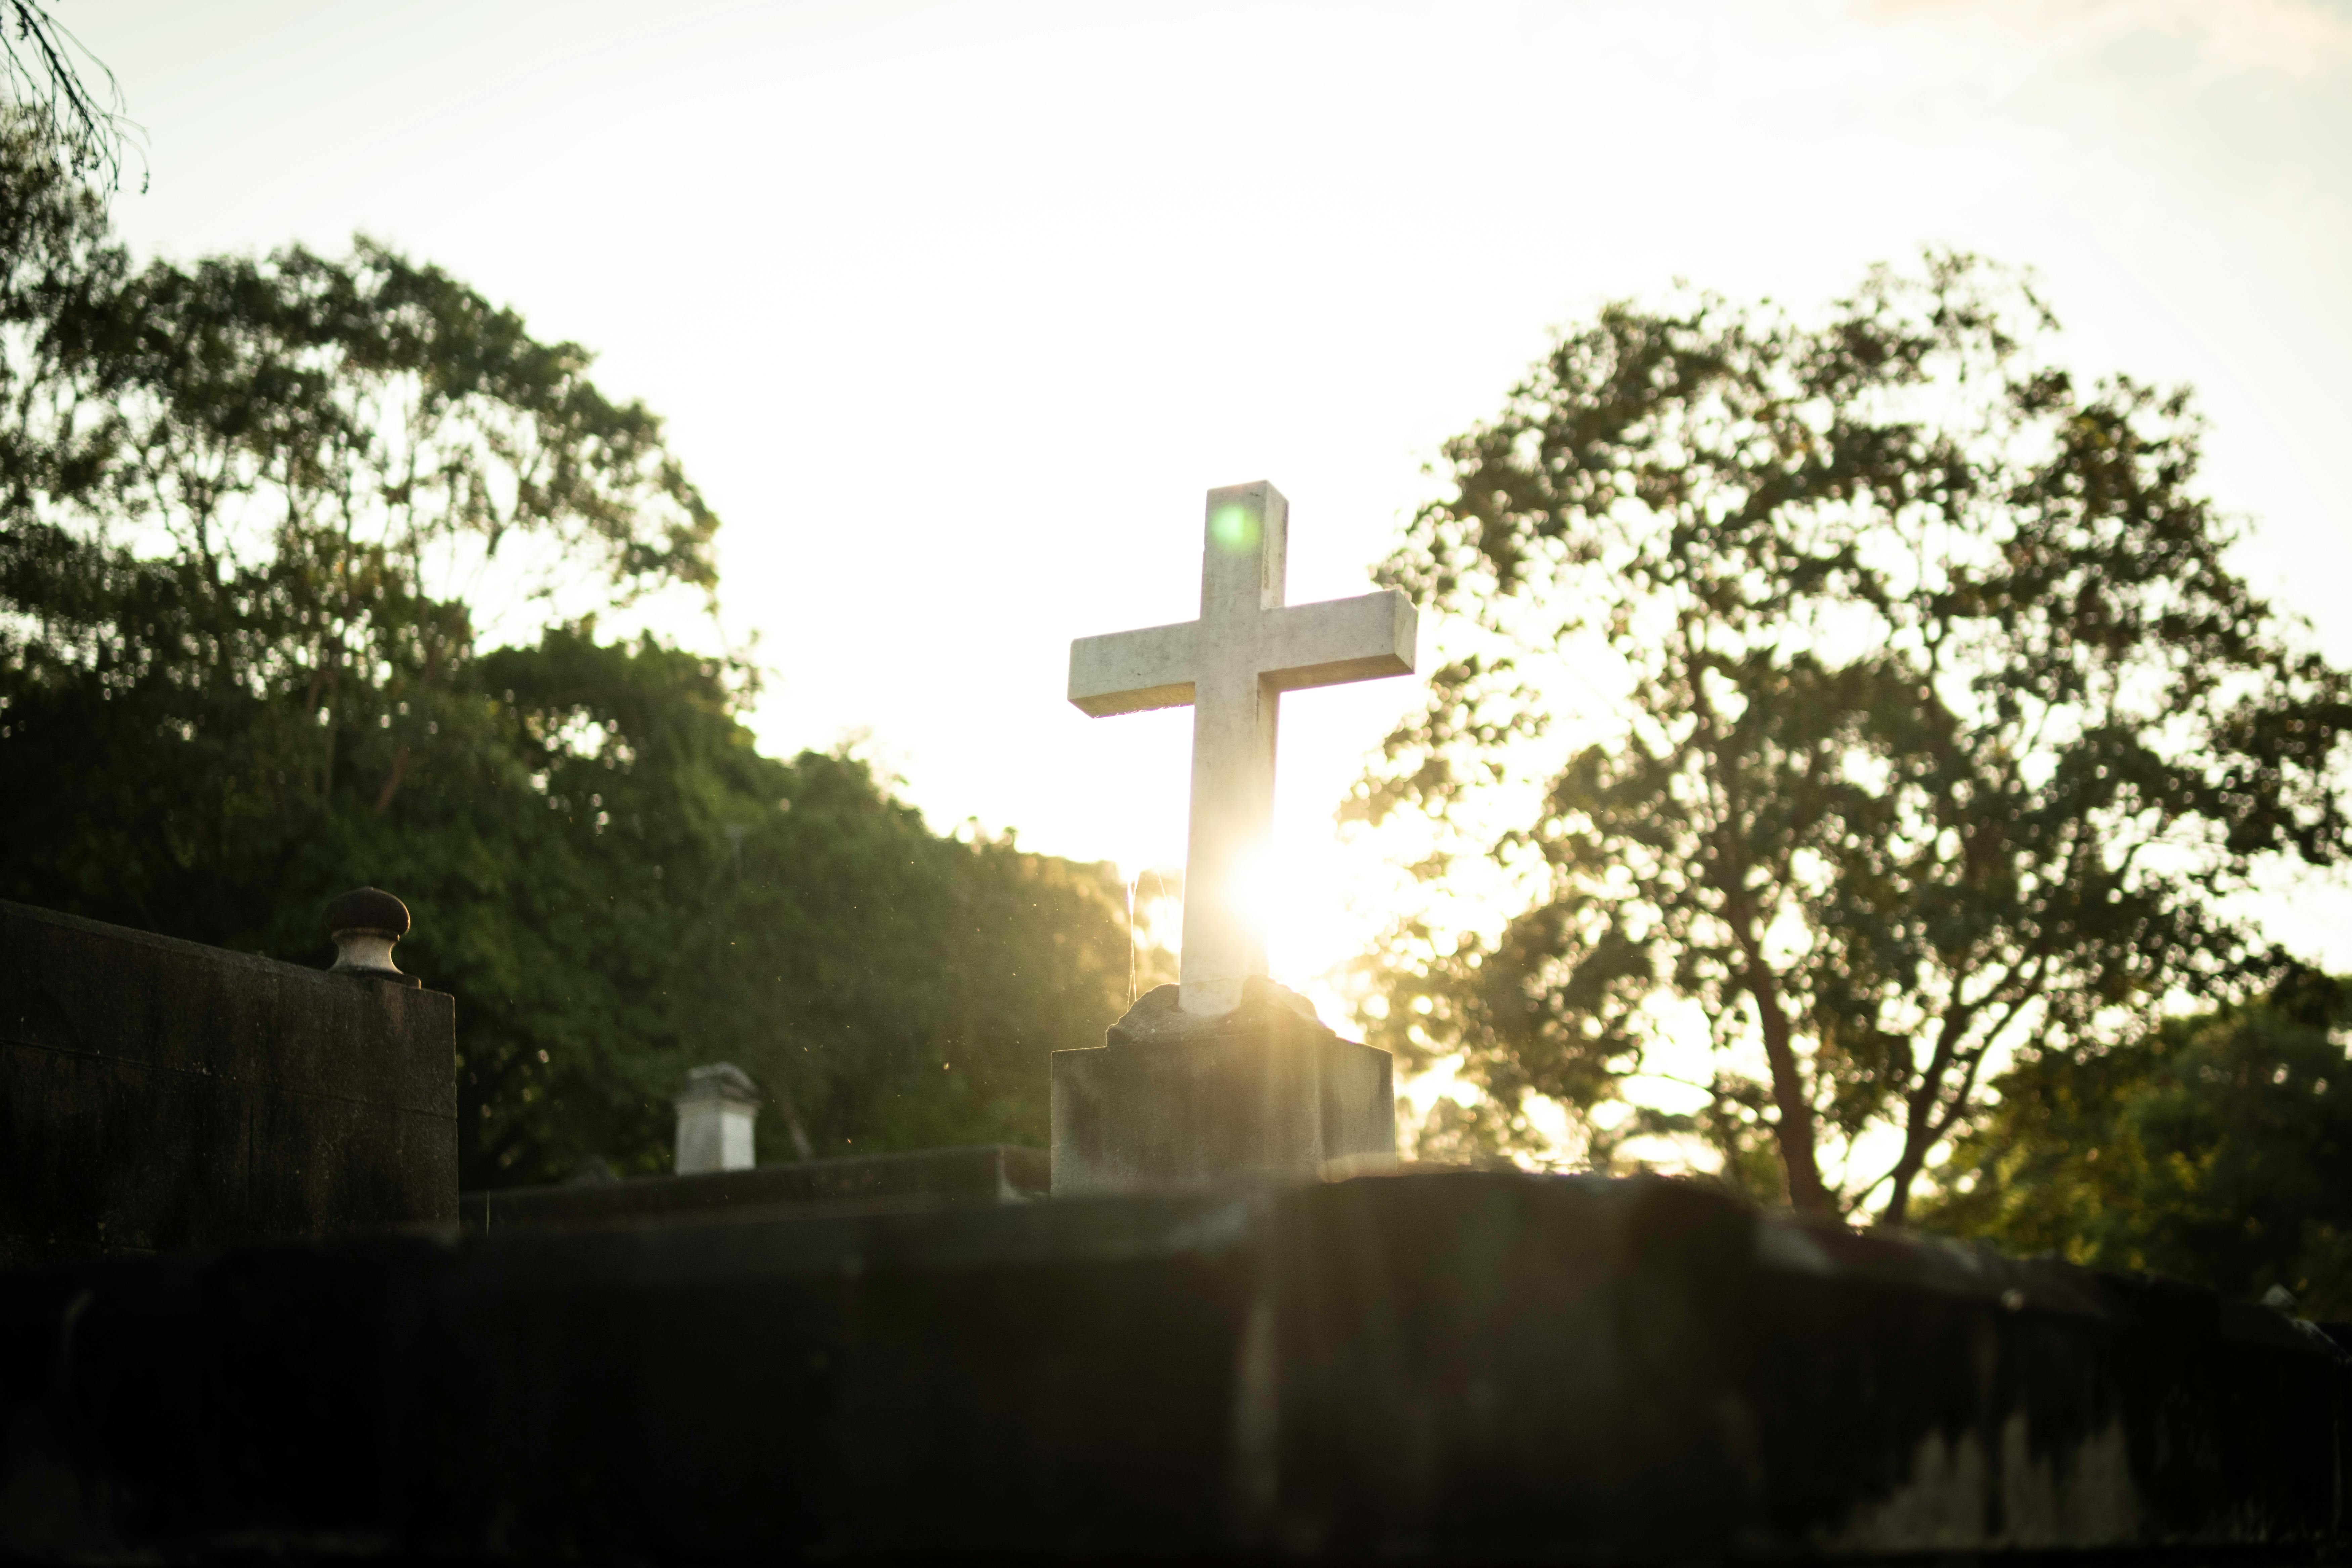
point(259, 521)
point(1934, 727)
point(2215, 1148)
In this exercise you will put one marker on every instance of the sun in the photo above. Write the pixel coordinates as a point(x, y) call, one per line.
point(1300, 891)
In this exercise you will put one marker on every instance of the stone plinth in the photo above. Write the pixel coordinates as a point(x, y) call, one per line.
point(1263, 1091)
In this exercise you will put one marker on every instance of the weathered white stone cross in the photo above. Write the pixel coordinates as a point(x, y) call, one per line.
point(1233, 665)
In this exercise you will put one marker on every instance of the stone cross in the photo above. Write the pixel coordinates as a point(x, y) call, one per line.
point(1233, 665)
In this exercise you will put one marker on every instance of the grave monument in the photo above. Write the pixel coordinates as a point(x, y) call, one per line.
point(715, 1114)
point(1225, 1074)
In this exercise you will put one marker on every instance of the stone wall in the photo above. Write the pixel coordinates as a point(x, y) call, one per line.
point(158, 1095)
point(975, 1176)
point(1449, 1367)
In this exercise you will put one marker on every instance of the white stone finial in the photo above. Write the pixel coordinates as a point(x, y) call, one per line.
point(364, 923)
point(715, 1112)
point(1232, 666)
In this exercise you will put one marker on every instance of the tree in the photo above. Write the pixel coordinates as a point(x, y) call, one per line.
point(40, 72)
point(1937, 724)
point(2215, 1148)
point(234, 496)
point(255, 519)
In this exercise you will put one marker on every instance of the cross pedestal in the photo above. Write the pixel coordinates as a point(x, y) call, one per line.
point(1262, 1091)
point(1225, 1074)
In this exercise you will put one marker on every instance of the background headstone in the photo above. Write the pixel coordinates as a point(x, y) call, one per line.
point(715, 1112)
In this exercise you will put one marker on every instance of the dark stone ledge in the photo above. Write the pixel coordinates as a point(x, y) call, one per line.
point(1455, 1366)
point(978, 1175)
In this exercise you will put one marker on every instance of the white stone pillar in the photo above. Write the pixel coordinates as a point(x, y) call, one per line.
point(715, 1112)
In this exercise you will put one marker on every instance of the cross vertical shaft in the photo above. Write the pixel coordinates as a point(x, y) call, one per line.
point(1234, 717)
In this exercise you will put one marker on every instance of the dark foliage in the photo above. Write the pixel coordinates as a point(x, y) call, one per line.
point(252, 515)
point(2216, 1149)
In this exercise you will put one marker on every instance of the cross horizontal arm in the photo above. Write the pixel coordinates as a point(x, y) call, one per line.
point(1338, 641)
point(1127, 672)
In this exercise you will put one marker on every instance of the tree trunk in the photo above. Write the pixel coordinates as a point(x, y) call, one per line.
point(1919, 1109)
point(400, 761)
point(1906, 1170)
point(1794, 1131)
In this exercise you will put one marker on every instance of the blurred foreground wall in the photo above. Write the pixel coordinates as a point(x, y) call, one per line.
point(161, 1096)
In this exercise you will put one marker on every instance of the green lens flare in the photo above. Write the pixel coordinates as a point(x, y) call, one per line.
point(1234, 528)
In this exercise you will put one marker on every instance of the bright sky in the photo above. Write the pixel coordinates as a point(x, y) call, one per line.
point(955, 310)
